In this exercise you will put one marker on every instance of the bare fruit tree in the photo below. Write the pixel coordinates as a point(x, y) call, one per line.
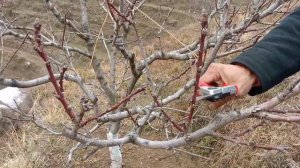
point(129, 89)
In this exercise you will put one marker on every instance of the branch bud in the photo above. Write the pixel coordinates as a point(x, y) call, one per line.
point(203, 18)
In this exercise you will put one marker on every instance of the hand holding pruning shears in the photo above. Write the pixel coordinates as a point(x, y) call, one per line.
point(224, 80)
point(215, 93)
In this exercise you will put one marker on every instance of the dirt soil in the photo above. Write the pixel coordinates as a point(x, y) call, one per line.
point(24, 65)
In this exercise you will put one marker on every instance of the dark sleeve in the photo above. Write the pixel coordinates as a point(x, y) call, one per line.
point(276, 56)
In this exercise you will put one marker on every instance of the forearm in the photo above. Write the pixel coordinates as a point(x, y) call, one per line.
point(276, 56)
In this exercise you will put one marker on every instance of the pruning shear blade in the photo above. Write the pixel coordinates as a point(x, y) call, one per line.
point(213, 93)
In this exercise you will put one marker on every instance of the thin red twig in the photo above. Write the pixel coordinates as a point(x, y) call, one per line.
point(129, 11)
point(131, 117)
point(199, 63)
point(64, 32)
point(15, 53)
point(284, 111)
point(114, 11)
point(40, 50)
point(180, 75)
point(61, 80)
point(114, 107)
point(249, 129)
point(252, 144)
point(167, 116)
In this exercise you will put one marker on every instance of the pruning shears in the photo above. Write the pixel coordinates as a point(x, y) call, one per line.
point(215, 93)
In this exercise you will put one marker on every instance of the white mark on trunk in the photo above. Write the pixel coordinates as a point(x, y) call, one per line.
point(115, 152)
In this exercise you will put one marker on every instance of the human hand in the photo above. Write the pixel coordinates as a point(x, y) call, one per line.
point(228, 74)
